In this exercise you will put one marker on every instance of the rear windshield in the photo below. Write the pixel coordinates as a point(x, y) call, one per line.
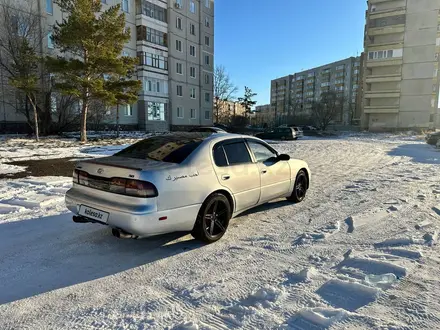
point(169, 149)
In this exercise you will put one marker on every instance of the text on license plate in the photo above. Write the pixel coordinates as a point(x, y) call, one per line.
point(92, 213)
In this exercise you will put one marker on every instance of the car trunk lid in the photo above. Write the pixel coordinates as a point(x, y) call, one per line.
point(122, 167)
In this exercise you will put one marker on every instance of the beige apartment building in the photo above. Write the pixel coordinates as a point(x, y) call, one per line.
point(174, 41)
point(264, 115)
point(293, 95)
point(402, 46)
point(226, 111)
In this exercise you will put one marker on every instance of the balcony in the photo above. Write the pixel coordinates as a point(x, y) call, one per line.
point(372, 46)
point(381, 109)
point(387, 12)
point(378, 31)
point(381, 94)
point(383, 78)
point(384, 62)
point(379, 1)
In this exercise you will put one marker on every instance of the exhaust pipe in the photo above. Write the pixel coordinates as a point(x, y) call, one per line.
point(119, 233)
point(78, 219)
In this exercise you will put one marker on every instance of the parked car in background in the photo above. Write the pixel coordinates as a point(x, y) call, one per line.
point(223, 127)
point(187, 182)
point(308, 128)
point(207, 130)
point(432, 138)
point(279, 133)
point(299, 132)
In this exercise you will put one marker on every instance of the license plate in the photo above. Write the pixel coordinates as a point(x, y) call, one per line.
point(92, 213)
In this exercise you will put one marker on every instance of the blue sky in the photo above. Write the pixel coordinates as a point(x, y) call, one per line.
point(259, 40)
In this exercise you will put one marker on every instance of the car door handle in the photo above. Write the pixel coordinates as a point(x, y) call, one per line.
point(263, 171)
point(226, 177)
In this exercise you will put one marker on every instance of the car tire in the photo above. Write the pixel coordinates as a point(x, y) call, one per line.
point(213, 219)
point(300, 188)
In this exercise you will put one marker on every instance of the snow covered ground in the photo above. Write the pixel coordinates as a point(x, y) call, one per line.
point(359, 253)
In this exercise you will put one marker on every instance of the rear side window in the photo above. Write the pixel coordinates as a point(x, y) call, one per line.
point(220, 157)
point(237, 153)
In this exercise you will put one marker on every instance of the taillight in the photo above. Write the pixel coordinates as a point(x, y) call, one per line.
point(75, 176)
point(138, 188)
point(83, 178)
point(128, 187)
point(80, 177)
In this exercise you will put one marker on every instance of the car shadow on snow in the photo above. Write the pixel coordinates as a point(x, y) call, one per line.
point(419, 153)
point(268, 206)
point(45, 254)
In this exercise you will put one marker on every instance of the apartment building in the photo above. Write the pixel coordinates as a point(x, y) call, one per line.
point(264, 115)
point(280, 97)
point(402, 46)
point(174, 41)
point(292, 95)
point(226, 111)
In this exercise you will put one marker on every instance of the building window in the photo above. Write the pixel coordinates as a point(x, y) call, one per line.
point(208, 3)
point(207, 97)
point(156, 111)
point(192, 72)
point(151, 35)
point(125, 6)
point(193, 113)
point(207, 24)
point(355, 87)
point(207, 79)
point(192, 6)
point(155, 61)
point(192, 29)
point(381, 54)
point(193, 93)
point(179, 3)
point(156, 85)
point(128, 110)
point(340, 67)
point(179, 90)
point(207, 41)
point(151, 10)
point(179, 112)
point(179, 23)
point(178, 45)
point(192, 50)
point(207, 61)
point(50, 41)
point(49, 7)
point(179, 68)
point(207, 115)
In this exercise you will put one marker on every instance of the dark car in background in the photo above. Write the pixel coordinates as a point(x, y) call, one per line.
point(432, 138)
point(208, 130)
point(279, 133)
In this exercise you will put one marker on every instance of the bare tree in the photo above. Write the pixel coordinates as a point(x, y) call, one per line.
point(327, 109)
point(21, 48)
point(224, 89)
point(65, 112)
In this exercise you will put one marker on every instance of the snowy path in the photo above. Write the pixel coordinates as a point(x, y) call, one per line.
point(279, 266)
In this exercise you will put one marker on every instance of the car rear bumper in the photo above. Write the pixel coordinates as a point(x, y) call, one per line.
point(139, 220)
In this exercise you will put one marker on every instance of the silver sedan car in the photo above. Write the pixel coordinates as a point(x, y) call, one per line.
point(189, 182)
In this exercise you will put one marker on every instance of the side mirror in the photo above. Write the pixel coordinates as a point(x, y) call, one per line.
point(283, 157)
